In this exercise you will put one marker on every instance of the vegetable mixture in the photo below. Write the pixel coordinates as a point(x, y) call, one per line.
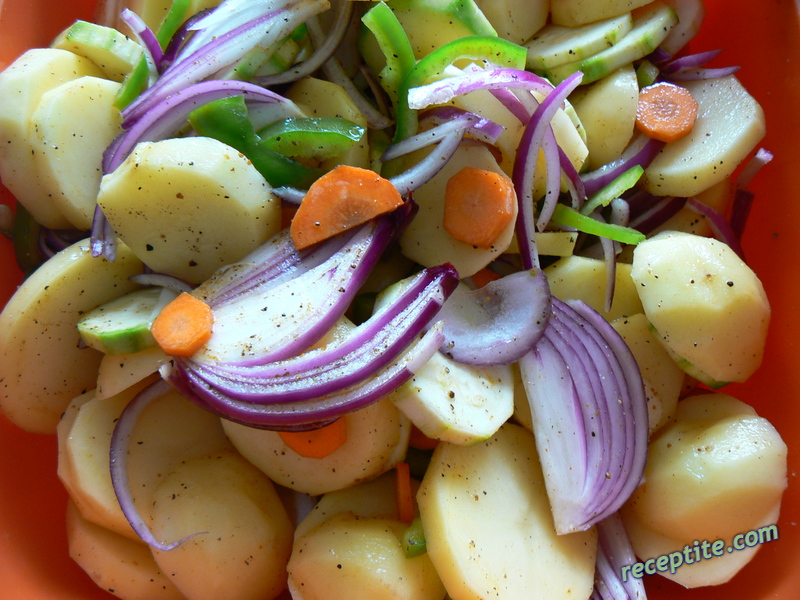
point(403, 299)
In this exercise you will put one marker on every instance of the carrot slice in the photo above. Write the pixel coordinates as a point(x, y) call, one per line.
point(484, 276)
point(183, 326)
point(405, 499)
point(478, 206)
point(339, 200)
point(420, 441)
point(666, 111)
point(317, 443)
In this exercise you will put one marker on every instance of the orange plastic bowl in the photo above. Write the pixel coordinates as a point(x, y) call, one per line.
point(763, 38)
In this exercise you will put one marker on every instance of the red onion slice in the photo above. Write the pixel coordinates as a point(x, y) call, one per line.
point(589, 415)
point(614, 552)
point(498, 323)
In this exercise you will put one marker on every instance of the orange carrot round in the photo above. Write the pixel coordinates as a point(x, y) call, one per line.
point(666, 111)
point(478, 206)
point(339, 200)
point(183, 326)
point(317, 443)
point(420, 441)
point(405, 497)
point(484, 276)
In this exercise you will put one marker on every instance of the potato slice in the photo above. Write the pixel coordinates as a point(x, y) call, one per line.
point(377, 438)
point(708, 307)
point(583, 278)
point(188, 206)
point(349, 556)
point(38, 327)
point(718, 471)
point(244, 534)
point(21, 87)
point(71, 128)
point(115, 563)
point(572, 13)
point(729, 125)
point(84, 440)
point(489, 528)
point(120, 371)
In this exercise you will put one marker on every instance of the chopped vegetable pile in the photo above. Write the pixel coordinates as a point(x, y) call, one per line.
point(403, 299)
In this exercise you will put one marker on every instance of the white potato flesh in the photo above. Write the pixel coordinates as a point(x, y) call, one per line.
point(168, 432)
point(607, 110)
point(708, 307)
point(39, 327)
point(21, 87)
point(583, 278)
point(120, 371)
point(571, 13)
point(320, 98)
point(244, 533)
point(84, 441)
point(717, 471)
point(729, 125)
point(663, 379)
point(349, 556)
point(115, 563)
point(515, 20)
point(426, 241)
point(377, 439)
point(488, 525)
point(71, 128)
point(374, 498)
point(188, 206)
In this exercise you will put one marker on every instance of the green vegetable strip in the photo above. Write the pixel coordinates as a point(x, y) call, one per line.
point(25, 236)
point(646, 73)
point(496, 50)
point(227, 120)
point(320, 138)
point(612, 190)
point(566, 216)
point(414, 543)
point(394, 45)
point(172, 22)
point(134, 84)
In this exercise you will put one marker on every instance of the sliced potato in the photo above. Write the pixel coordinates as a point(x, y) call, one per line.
point(244, 534)
point(572, 13)
point(583, 278)
point(718, 471)
point(663, 379)
point(120, 371)
point(84, 440)
point(607, 110)
point(122, 566)
point(21, 87)
point(729, 125)
point(188, 206)
point(708, 307)
point(377, 438)
point(71, 127)
point(488, 525)
point(39, 327)
point(515, 20)
point(349, 556)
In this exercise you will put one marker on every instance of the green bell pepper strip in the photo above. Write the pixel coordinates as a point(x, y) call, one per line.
point(172, 22)
point(227, 120)
point(612, 190)
point(564, 215)
point(414, 543)
point(394, 45)
point(476, 47)
point(25, 236)
point(134, 84)
point(319, 138)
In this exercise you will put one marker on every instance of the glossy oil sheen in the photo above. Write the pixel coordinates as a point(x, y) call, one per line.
point(762, 37)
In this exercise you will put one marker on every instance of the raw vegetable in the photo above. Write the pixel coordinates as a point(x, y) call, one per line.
point(183, 326)
point(478, 206)
point(666, 112)
point(317, 443)
point(405, 499)
point(339, 200)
